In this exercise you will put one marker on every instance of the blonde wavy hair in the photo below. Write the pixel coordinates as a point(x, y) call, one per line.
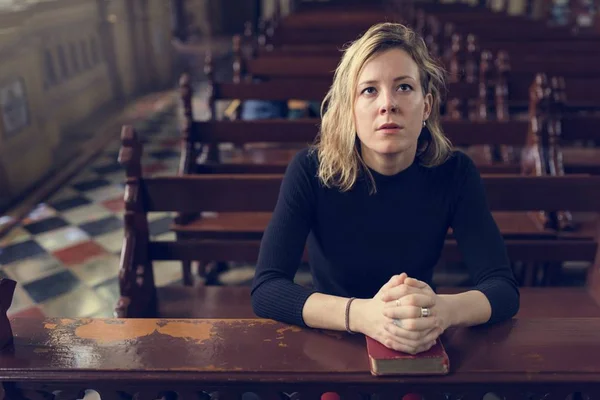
point(337, 144)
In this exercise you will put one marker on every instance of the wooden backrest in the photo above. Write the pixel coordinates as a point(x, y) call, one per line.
point(258, 193)
point(460, 132)
point(192, 193)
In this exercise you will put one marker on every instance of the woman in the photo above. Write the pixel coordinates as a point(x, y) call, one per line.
point(375, 198)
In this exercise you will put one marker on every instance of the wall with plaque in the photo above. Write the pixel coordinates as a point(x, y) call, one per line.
point(14, 111)
point(28, 136)
point(63, 63)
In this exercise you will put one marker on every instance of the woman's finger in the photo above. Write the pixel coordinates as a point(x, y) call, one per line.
point(403, 334)
point(396, 292)
point(417, 300)
point(393, 282)
point(415, 324)
point(416, 283)
point(411, 346)
point(406, 312)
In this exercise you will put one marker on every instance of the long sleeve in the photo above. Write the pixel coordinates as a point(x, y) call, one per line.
point(274, 293)
point(482, 246)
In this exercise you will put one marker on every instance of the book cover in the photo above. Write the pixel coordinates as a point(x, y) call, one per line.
point(384, 361)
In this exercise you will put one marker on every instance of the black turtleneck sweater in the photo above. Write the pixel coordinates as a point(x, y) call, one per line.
point(357, 240)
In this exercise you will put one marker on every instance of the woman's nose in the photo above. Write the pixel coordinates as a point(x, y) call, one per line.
point(388, 105)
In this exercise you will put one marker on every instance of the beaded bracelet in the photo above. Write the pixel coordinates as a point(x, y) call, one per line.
point(348, 315)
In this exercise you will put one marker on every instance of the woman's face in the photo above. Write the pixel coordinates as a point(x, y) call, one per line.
point(390, 108)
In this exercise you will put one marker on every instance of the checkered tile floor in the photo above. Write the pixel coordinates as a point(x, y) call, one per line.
point(65, 254)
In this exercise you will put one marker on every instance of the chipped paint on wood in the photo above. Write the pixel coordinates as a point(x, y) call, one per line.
point(291, 328)
point(198, 331)
point(254, 322)
point(102, 331)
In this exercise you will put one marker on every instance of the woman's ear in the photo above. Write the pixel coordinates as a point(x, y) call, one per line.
point(428, 106)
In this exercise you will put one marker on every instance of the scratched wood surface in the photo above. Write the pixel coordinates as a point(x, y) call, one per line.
point(521, 350)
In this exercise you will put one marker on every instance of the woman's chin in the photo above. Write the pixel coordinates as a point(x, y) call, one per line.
point(391, 148)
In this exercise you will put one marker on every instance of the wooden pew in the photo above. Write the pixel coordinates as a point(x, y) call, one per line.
point(227, 358)
point(244, 165)
point(300, 132)
point(463, 56)
point(293, 135)
point(533, 17)
point(462, 98)
point(258, 194)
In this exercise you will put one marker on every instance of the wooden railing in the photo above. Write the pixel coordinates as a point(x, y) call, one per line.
point(145, 359)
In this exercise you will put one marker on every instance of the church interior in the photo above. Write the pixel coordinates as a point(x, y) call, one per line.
point(142, 144)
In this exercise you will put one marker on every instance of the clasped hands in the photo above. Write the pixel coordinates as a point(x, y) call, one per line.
point(394, 316)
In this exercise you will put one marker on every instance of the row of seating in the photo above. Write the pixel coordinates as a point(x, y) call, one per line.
point(535, 139)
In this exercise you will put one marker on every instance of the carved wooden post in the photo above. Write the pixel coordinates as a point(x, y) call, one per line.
point(250, 45)
point(456, 59)
point(265, 36)
point(471, 59)
point(261, 35)
point(187, 164)
point(558, 98)
point(532, 157)
point(238, 59)
point(478, 108)
point(486, 80)
point(213, 150)
point(433, 36)
point(503, 70)
point(136, 278)
point(446, 45)
point(501, 100)
point(7, 291)
point(188, 153)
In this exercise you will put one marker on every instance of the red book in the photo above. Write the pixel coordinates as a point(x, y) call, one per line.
point(386, 361)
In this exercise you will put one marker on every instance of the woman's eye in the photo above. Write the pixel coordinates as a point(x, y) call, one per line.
point(405, 87)
point(369, 90)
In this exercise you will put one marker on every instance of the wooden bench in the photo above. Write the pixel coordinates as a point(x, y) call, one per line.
point(462, 58)
point(517, 134)
point(293, 135)
point(225, 358)
point(508, 89)
point(258, 194)
point(461, 96)
point(541, 22)
point(297, 133)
